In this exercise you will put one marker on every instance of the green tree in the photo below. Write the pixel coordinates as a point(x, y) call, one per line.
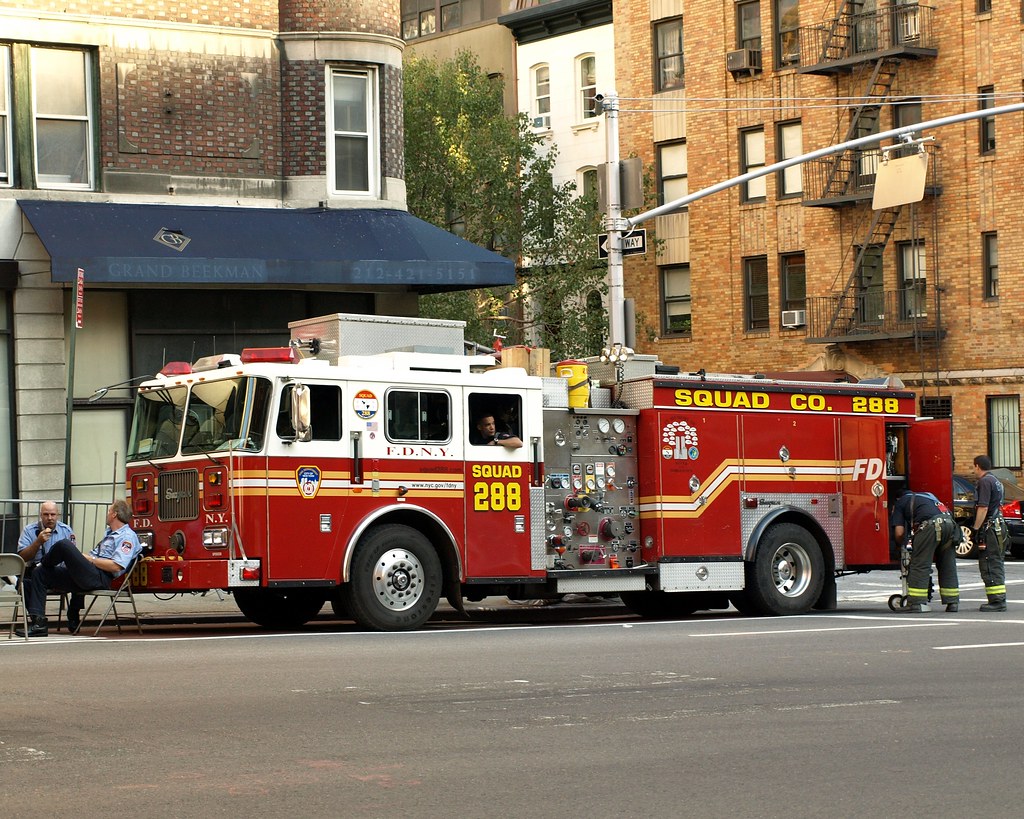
point(475, 171)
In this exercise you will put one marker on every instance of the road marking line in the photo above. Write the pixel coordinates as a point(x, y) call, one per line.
point(978, 645)
point(816, 630)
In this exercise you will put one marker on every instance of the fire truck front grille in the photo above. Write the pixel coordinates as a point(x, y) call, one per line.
point(179, 495)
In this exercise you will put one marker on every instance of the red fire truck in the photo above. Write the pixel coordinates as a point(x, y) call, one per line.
point(328, 470)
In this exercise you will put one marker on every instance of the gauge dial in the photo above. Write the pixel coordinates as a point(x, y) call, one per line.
point(603, 426)
point(619, 425)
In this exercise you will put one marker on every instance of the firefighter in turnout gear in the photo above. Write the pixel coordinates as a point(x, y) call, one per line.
point(990, 534)
point(922, 517)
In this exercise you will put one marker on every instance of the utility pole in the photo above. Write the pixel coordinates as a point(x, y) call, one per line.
point(613, 224)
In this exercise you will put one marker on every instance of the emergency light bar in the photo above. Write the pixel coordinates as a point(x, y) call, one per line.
point(215, 362)
point(269, 355)
point(176, 368)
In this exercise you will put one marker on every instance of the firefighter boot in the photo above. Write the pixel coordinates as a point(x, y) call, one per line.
point(995, 603)
point(952, 607)
point(36, 627)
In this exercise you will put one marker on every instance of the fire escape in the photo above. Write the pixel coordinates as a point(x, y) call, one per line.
point(867, 42)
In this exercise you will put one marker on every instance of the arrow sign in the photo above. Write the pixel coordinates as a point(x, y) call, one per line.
point(632, 245)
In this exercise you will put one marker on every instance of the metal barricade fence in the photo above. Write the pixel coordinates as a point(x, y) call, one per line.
point(87, 519)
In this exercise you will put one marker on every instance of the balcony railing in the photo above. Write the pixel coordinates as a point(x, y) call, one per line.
point(850, 176)
point(853, 38)
point(875, 315)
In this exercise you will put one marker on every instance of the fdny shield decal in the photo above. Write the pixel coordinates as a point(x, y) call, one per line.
point(307, 478)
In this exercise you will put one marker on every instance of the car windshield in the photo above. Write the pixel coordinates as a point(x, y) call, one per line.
point(216, 416)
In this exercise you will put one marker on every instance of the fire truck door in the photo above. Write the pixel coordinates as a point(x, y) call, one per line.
point(865, 518)
point(308, 485)
point(930, 459)
point(498, 488)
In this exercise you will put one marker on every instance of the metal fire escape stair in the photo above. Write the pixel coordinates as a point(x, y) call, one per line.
point(879, 85)
point(847, 313)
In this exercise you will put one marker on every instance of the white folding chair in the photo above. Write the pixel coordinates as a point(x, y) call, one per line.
point(121, 593)
point(13, 567)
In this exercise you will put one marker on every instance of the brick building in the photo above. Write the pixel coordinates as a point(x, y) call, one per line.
point(795, 270)
point(217, 171)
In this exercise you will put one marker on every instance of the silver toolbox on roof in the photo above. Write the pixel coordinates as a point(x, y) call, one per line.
point(351, 334)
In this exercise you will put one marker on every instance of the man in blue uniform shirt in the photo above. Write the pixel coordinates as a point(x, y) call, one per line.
point(81, 572)
point(39, 537)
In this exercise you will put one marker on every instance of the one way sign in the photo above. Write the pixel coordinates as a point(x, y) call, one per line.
point(633, 244)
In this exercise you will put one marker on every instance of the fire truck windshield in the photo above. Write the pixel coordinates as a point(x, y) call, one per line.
point(214, 416)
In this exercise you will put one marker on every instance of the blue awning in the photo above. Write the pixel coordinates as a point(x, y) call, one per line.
point(184, 244)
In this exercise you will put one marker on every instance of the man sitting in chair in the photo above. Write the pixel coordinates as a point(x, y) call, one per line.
point(81, 572)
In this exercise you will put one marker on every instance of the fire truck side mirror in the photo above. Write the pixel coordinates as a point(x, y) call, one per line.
point(301, 413)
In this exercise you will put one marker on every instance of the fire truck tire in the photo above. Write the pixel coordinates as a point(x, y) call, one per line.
point(788, 571)
point(394, 579)
point(279, 608)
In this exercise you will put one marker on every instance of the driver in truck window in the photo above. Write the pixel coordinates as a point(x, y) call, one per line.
point(485, 433)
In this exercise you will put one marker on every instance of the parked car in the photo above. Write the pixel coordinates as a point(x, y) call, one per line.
point(963, 511)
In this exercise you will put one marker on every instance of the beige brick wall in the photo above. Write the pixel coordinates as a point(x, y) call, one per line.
point(978, 194)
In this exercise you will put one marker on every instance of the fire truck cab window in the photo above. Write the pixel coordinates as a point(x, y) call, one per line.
point(505, 409)
point(418, 416)
point(324, 413)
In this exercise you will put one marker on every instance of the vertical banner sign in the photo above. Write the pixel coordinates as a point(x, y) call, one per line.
point(79, 298)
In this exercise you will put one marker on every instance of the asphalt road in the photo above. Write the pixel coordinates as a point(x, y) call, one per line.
point(856, 713)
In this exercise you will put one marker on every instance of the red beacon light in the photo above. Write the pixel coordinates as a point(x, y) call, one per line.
point(269, 355)
point(176, 368)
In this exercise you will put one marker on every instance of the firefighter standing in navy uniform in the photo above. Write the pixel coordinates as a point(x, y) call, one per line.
point(990, 534)
point(932, 530)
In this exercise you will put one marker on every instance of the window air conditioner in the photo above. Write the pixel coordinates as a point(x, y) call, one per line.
point(794, 318)
point(745, 59)
point(542, 122)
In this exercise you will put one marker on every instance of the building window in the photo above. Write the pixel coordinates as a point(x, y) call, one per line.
point(586, 183)
point(751, 159)
point(668, 55)
point(787, 32)
point(352, 147)
point(906, 113)
point(541, 83)
point(790, 144)
point(676, 316)
point(984, 6)
point(870, 285)
point(673, 182)
point(451, 15)
point(913, 280)
point(419, 18)
point(586, 71)
point(755, 283)
point(990, 260)
point(867, 158)
point(793, 276)
point(55, 125)
point(1004, 431)
point(987, 125)
point(748, 25)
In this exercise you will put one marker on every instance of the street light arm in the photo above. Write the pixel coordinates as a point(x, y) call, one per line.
point(871, 139)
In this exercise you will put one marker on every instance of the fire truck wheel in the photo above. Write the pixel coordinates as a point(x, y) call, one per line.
point(279, 608)
point(788, 571)
point(394, 579)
